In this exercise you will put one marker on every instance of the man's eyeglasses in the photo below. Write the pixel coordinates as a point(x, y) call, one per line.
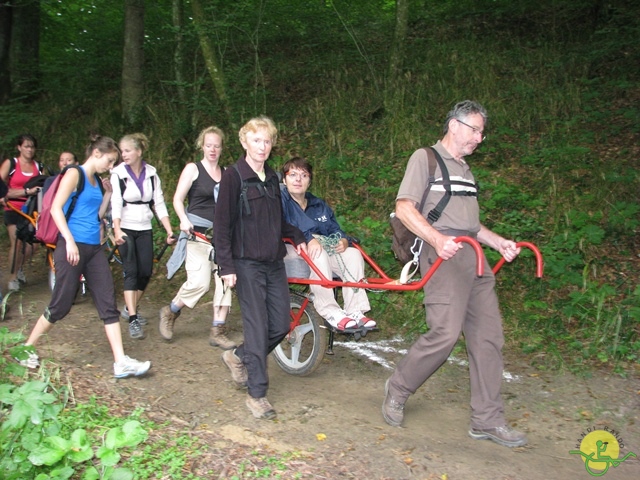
point(475, 130)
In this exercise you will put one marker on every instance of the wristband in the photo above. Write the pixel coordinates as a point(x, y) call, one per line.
point(26, 194)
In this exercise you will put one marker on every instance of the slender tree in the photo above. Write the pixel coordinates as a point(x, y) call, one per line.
point(24, 51)
point(133, 62)
point(397, 48)
point(6, 17)
point(208, 51)
point(178, 53)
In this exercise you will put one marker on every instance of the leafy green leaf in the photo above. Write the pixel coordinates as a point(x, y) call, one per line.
point(108, 456)
point(134, 433)
point(62, 473)
point(80, 447)
point(91, 473)
point(122, 474)
point(50, 451)
point(6, 393)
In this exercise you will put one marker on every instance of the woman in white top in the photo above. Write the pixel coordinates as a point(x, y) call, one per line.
point(137, 191)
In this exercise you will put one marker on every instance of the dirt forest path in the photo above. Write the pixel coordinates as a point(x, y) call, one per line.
point(342, 399)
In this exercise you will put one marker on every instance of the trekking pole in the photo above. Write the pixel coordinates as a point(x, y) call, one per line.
point(164, 249)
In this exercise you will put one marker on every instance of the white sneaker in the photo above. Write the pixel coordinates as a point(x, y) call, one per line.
point(13, 285)
point(32, 361)
point(129, 367)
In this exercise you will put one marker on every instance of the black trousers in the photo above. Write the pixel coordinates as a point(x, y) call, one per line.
point(137, 259)
point(263, 294)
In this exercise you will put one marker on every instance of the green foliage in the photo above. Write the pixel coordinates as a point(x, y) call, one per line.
point(32, 434)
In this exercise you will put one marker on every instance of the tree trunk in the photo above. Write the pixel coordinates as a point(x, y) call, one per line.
point(25, 49)
point(6, 16)
point(133, 62)
point(208, 51)
point(178, 53)
point(397, 48)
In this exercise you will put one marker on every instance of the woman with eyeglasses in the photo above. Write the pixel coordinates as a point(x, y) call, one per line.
point(328, 247)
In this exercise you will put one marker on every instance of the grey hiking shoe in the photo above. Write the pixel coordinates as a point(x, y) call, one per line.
point(130, 367)
point(218, 338)
point(504, 435)
point(167, 320)
point(135, 329)
point(13, 285)
point(392, 408)
point(125, 314)
point(261, 408)
point(238, 371)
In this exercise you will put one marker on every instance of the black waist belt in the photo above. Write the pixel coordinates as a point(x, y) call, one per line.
point(458, 233)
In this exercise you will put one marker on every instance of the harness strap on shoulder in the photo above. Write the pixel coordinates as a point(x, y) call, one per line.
point(242, 203)
point(435, 213)
point(79, 188)
point(123, 187)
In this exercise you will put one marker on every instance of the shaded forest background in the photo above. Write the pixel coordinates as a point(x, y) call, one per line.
point(357, 85)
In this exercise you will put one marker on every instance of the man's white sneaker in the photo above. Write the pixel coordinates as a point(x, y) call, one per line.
point(13, 285)
point(21, 277)
point(32, 361)
point(130, 367)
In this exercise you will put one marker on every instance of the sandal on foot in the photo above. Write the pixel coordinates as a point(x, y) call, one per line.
point(363, 321)
point(366, 322)
point(346, 322)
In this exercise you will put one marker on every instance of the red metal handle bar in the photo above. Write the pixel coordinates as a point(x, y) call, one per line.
point(199, 235)
point(325, 282)
point(383, 276)
point(536, 252)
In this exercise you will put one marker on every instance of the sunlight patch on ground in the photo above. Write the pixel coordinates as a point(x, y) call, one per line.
point(375, 352)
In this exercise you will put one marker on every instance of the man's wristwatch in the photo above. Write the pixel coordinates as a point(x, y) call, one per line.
point(26, 194)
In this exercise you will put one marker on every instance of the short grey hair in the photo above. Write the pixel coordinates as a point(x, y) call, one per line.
point(461, 110)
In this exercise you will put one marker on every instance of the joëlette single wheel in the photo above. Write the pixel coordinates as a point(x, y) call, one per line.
point(302, 351)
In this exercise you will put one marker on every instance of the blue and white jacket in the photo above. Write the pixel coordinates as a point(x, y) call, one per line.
point(317, 219)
